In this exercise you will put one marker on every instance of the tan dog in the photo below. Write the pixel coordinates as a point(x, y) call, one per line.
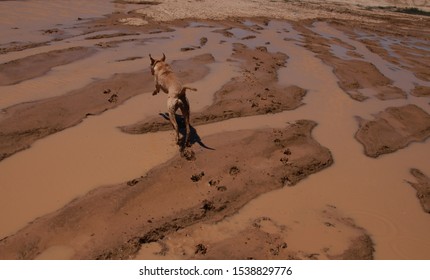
point(167, 81)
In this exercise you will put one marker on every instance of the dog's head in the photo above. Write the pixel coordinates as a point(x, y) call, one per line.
point(155, 62)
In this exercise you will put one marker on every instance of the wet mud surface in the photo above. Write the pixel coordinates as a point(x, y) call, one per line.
point(34, 66)
point(308, 129)
point(114, 221)
point(393, 129)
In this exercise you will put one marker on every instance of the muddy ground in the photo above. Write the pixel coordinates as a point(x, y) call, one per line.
point(252, 134)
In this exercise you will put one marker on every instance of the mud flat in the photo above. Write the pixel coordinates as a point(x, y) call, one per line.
point(393, 129)
point(115, 221)
point(274, 171)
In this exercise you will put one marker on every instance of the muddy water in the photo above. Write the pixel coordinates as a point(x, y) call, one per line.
point(404, 79)
point(371, 191)
point(69, 164)
point(42, 15)
point(106, 62)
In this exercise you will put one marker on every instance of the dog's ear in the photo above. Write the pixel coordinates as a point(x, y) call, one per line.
point(152, 60)
point(164, 58)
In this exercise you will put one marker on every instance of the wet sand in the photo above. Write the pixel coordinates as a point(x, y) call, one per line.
point(89, 169)
point(422, 185)
point(393, 129)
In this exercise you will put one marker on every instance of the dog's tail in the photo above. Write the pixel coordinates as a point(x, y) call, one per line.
point(190, 88)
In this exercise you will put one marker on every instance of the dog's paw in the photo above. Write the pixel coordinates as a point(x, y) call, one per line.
point(154, 92)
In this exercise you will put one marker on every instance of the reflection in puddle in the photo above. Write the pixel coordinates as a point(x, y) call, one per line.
point(402, 78)
point(240, 33)
point(340, 52)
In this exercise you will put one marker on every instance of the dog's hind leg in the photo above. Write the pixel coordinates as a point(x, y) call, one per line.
point(172, 105)
point(185, 109)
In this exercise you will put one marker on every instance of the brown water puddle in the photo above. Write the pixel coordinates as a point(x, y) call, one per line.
point(44, 20)
point(372, 192)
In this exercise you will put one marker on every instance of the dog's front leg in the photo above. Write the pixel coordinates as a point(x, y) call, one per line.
point(157, 89)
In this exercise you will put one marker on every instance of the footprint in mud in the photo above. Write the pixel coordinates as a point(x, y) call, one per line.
point(215, 183)
point(197, 177)
point(208, 205)
point(234, 170)
point(285, 159)
point(188, 154)
point(133, 182)
point(201, 249)
point(113, 98)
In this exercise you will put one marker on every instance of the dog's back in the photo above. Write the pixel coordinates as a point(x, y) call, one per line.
point(168, 81)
